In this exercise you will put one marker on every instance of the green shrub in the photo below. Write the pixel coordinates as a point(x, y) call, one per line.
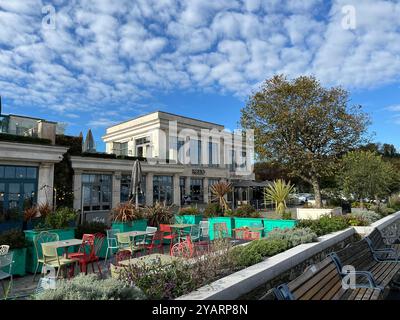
point(367, 216)
point(245, 211)
point(60, 219)
point(257, 250)
point(213, 210)
point(325, 224)
point(90, 228)
point(394, 202)
point(287, 215)
point(188, 211)
point(294, 237)
point(15, 238)
point(90, 287)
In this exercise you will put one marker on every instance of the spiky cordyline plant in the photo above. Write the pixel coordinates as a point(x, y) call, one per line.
point(277, 193)
point(219, 190)
point(159, 213)
point(126, 211)
point(30, 213)
point(44, 209)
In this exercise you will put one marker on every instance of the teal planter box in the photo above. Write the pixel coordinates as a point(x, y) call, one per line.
point(188, 219)
point(31, 256)
point(137, 225)
point(249, 222)
point(270, 224)
point(230, 224)
point(19, 265)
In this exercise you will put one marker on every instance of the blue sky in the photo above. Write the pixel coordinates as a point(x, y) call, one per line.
point(99, 62)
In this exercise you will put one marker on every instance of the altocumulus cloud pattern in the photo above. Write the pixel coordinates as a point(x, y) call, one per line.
point(120, 52)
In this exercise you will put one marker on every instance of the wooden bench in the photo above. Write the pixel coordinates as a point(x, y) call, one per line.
point(370, 262)
point(382, 250)
point(359, 255)
point(321, 281)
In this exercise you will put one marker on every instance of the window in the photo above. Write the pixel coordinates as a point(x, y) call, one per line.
point(142, 146)
point(162, 189)
point(18, 191)
point(123, 149)
point(196, 190)
point(182, 188)
point(125, 187)
point(96, 190)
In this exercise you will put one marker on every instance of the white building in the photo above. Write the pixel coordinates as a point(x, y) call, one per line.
point(183, 157)
point(27, 157)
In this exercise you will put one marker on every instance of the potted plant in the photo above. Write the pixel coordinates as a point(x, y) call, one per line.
point(219, 191)
point(159, 213)
point(18, 245)
point(59, 221)
point(126, 217)
point(188, 215)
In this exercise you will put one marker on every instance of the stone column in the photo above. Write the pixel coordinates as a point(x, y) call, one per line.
point(45, 183)
point(116, 189)
point(205, 190)
point(77, 189)
point(149, 189)
point(187, 186)
point(177, 190)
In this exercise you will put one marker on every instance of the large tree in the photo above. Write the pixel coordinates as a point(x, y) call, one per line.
point(364, 174)
point(304, 126)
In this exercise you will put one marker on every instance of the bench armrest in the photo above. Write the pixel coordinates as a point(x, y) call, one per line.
point(392, 256)
point(368, 275)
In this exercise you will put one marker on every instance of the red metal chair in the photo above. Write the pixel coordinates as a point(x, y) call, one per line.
point(84, 248)
point(184, 249)
point(156, 242)
point(170, 234)
point(88, 251)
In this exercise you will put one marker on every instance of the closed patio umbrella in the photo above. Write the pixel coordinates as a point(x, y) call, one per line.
point(136, 182)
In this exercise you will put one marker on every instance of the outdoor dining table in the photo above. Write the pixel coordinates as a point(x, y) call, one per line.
point(63, 244)
point(180, 227)
point(134, 234)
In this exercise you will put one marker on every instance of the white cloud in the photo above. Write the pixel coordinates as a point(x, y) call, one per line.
point(107, 53)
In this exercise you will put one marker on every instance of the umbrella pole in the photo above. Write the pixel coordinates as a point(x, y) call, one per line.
point(137, 199)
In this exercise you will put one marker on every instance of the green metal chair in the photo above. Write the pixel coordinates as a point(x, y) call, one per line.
point(125, 243)
point(42, 237)
point(194, 233)
point(6, 261)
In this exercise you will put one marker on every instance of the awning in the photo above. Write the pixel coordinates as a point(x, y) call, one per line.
point(250, 184)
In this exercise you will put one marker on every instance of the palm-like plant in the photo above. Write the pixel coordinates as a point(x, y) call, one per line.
point(126, 212)
point(277, 193)
point(219, 190)
point(159, 213)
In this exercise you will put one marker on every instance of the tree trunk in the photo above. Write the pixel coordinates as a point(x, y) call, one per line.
point(317, 192)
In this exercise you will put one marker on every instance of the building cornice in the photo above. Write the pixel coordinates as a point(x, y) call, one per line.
point(11, 151)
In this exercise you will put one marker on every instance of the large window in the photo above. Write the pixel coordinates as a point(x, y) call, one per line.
point(196, 190)
point(18, 191)
point(125, 187)
point(162, 189)
point(96, 190)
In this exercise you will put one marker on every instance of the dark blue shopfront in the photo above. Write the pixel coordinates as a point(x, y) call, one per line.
point(18, 190)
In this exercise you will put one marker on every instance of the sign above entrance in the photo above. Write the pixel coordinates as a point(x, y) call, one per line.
point(198, 172)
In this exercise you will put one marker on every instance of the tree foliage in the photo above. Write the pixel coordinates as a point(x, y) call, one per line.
point(364, 174)
point(304, 126)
